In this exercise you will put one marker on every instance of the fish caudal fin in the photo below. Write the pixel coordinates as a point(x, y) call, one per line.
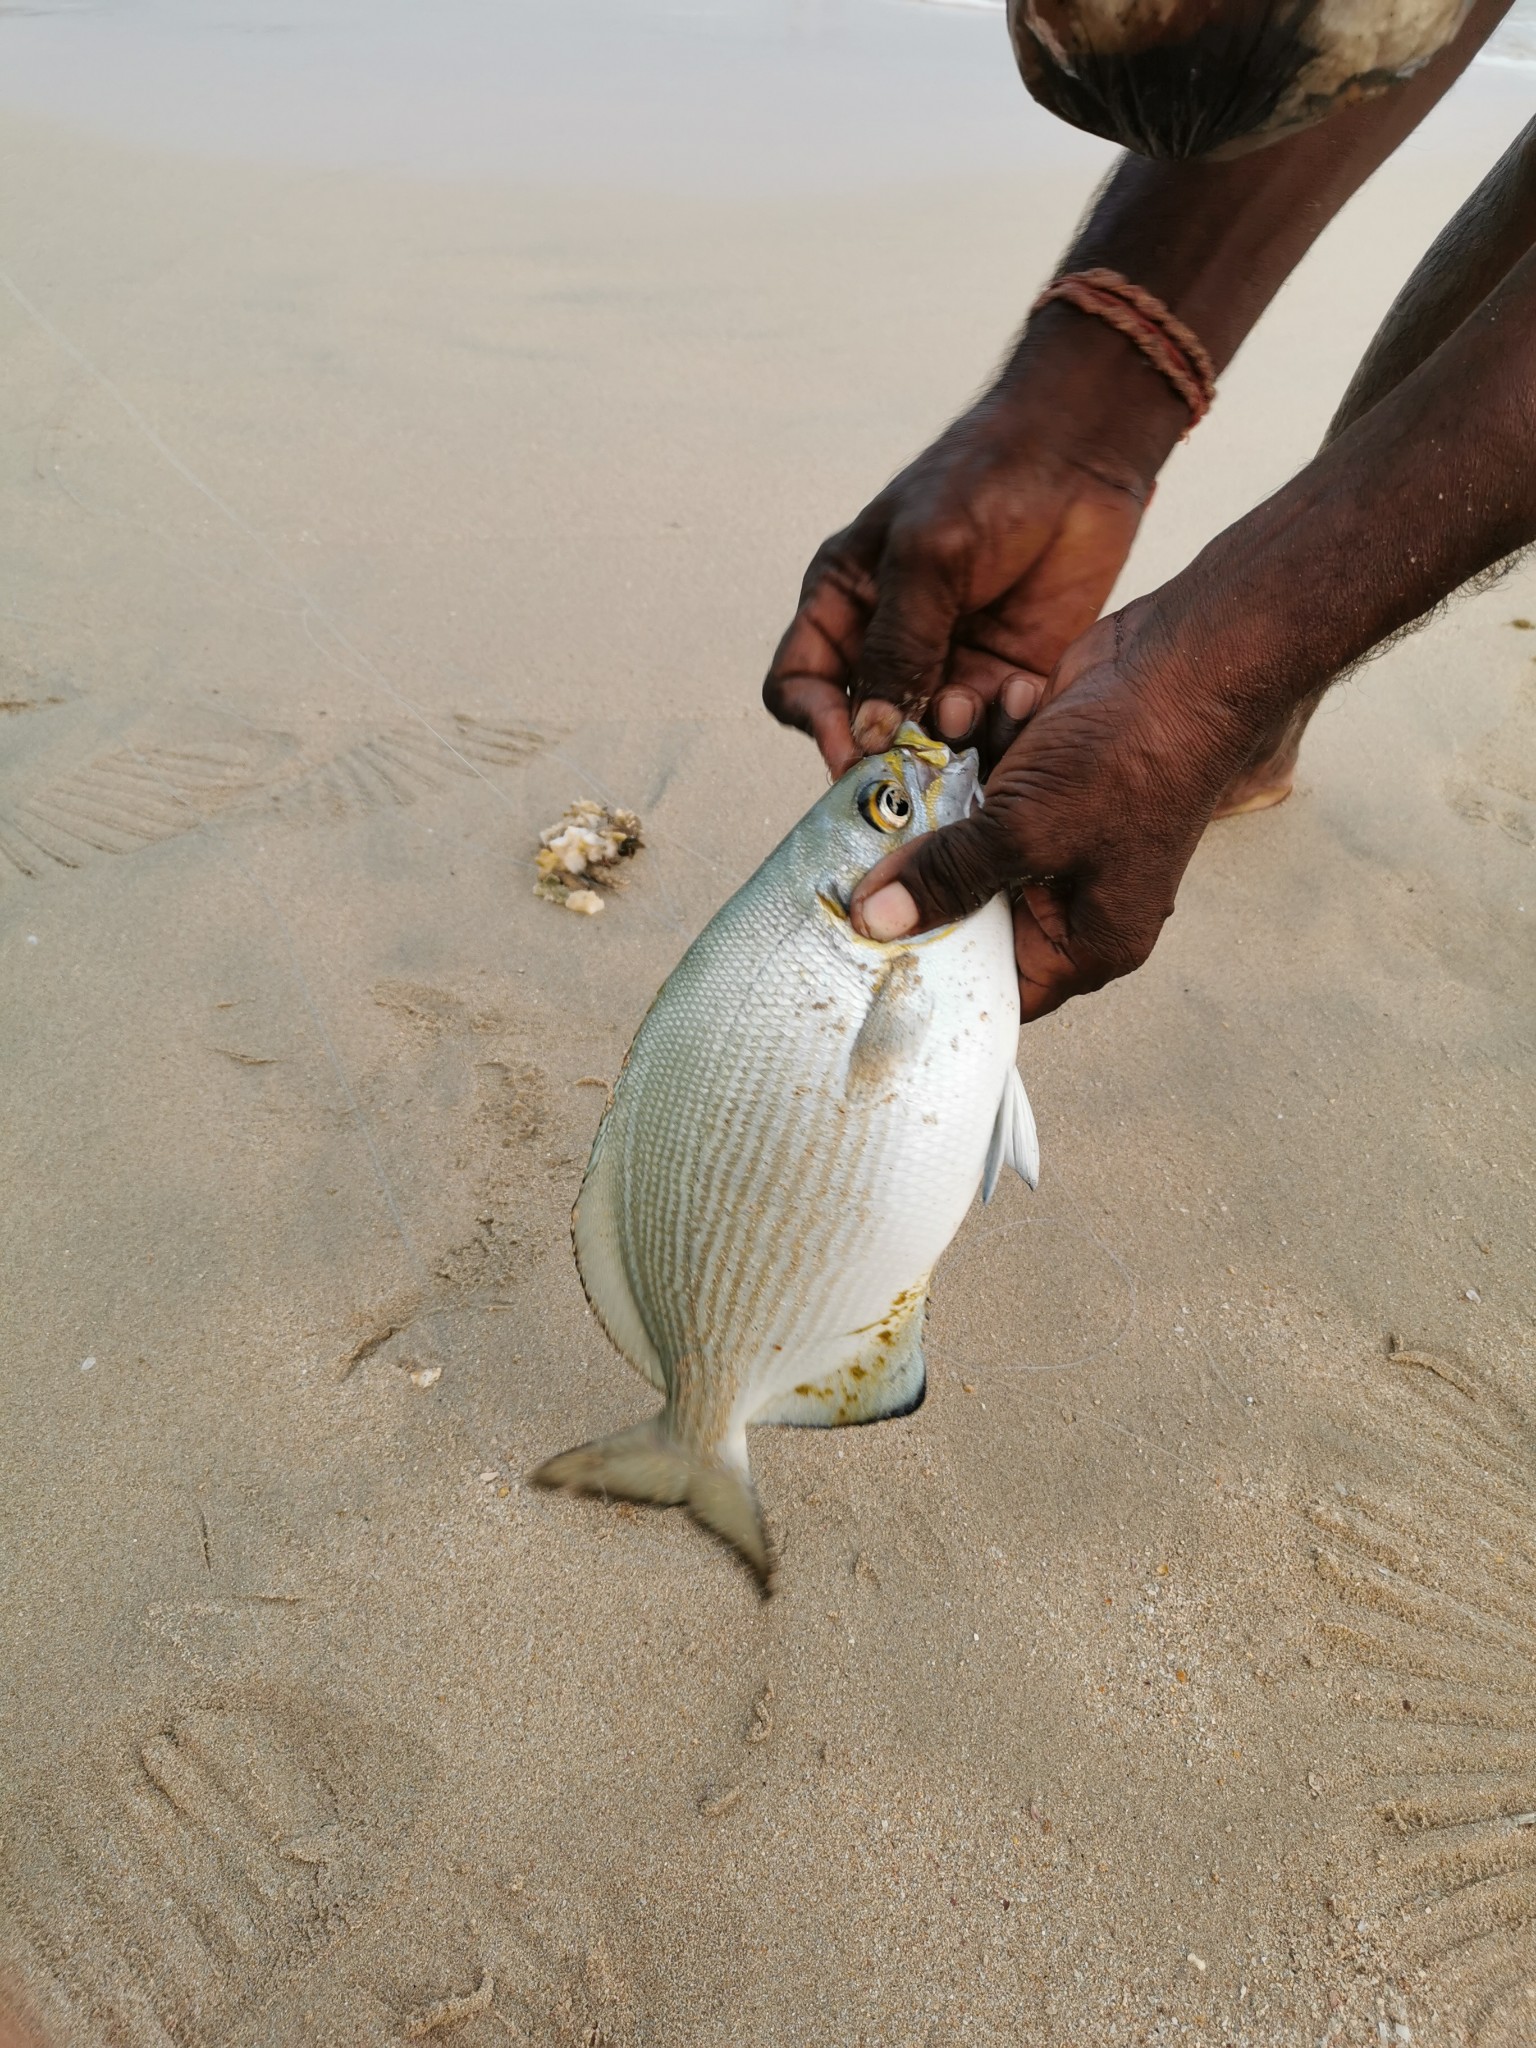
point(724, 1501)
point(1014, 1140)
point(647, 1464)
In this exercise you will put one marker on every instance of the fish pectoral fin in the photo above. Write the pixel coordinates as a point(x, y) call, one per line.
point(894, 1026)
point(1015, 1142)
point(647, 1463)
point(884, 1375)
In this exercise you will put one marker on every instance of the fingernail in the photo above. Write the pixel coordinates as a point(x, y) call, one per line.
point(874, 725)
point(890, 913)
point(1022, 694)
point(954, 713)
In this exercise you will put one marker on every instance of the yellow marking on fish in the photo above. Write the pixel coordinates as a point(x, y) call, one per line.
point(911, 739)
point(903, 1300)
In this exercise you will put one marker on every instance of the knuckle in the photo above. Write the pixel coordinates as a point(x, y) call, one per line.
point(826, 563)
point(774, 698)
point(942, 545)
point(895, 667)
point(784, 672)
point(958, 869)
point(846, 560)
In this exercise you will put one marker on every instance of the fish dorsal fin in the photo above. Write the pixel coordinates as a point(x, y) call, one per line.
point(1014, 1139)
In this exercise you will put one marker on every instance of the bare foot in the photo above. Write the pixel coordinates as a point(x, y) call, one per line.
point(1265, 779)
point(1258, 788)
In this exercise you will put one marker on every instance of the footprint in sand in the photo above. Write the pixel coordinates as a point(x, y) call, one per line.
point(1431, 1614)
point(121, 801)
point(399, 765)
point(1496, 783)
point(132, 797)
point(181, 1868)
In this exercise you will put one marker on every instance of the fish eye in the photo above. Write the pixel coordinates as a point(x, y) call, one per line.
point(887, 806)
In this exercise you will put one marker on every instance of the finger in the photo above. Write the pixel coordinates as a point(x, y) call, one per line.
point(1048, 975)
point(974, 680)
point(906, 643)
point(1068, 945)
point(824, 638)
point(935, 879)
point(819, 644)
point(844, 565)
point(833, 734)
point(1026, 692)
point(807, 681)
point(955, 714)
point(827, 716)
point(819, 708)
point(1017, 701)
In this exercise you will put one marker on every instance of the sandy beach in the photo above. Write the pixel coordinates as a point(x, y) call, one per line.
point(375, 483)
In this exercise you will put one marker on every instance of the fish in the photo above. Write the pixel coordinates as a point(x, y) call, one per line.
point(797, 1131)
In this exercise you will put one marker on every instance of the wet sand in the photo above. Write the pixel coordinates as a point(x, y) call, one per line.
point(1169, 1676)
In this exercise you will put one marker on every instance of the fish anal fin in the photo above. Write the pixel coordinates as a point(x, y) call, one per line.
point(648, 1464)
point(1015, 1141)
point(894, 1026)
point(884, 1375)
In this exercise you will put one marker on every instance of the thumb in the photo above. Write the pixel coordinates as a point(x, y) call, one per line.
point(936, 879)
point(907, 640)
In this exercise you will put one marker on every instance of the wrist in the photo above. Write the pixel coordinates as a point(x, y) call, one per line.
point(1237, 637)
point(1196, 685)
point(1093, 395)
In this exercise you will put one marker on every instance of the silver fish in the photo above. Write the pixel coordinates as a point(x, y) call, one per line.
point(796, 1134)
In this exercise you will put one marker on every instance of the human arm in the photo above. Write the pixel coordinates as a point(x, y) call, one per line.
point(962, 582)
point(1094, 811)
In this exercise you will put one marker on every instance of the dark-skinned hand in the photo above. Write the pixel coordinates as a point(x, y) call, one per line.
point(1089, 821)
point(952, 595)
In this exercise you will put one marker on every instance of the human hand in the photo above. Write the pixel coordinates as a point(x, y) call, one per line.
point(1089, 819)
point(952, 595)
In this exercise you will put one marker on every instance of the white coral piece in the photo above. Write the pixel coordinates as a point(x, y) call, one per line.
point(587, 841)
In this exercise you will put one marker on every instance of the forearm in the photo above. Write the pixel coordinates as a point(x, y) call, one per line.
point(1475, 250)
point(1434, 484)
point(1215, 241)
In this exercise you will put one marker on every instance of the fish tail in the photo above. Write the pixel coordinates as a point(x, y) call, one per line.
point(647, 1463)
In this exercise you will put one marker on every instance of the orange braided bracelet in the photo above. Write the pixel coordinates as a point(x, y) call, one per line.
point(1173, 349)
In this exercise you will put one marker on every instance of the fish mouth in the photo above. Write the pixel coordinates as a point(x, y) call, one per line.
point(959, 788)
point(946, 784)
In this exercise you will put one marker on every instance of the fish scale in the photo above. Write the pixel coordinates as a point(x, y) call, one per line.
point(796, 1133)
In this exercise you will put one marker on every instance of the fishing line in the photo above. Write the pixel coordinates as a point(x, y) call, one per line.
point(1090, 1236)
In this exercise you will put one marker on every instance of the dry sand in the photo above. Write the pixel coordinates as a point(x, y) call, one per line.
point(1171, 1675)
